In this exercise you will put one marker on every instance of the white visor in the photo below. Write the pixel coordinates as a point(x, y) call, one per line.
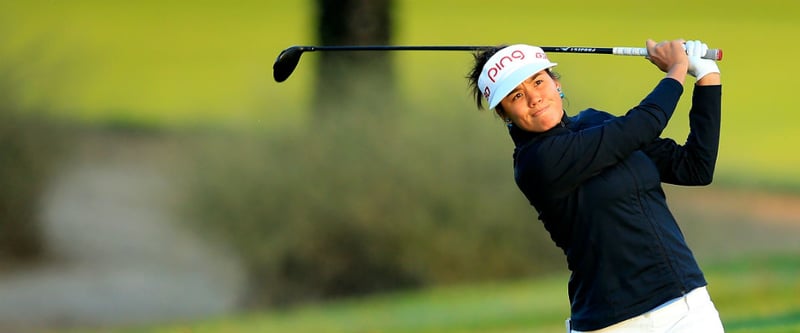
point(508, 68)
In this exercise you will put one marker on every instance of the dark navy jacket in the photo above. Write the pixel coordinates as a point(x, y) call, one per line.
point(595, 181)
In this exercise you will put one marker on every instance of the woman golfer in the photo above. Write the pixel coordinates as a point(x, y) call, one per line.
point(595, 181)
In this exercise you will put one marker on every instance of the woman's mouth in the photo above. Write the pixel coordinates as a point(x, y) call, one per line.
point(538, 112)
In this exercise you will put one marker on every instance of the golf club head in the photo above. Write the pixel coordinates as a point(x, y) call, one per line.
point(286, 63)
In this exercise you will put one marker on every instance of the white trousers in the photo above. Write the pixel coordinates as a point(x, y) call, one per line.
point(694, 312)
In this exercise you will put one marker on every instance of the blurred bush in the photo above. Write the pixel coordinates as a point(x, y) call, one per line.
point(360, 203)
point(30, 146)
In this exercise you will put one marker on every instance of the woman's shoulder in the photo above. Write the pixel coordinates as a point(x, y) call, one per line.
point(590, 117)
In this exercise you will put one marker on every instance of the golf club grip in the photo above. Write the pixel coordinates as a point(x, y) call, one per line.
point(713, 54)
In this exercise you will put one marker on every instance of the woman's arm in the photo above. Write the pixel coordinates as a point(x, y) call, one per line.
point(693, 163)
point(712, 79)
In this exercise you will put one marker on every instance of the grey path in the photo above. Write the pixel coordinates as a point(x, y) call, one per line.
point(120, 254)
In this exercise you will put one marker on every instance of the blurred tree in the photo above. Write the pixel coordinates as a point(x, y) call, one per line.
point(366, 200)
point(354, 80)
point(20, 187)
point(29, 145)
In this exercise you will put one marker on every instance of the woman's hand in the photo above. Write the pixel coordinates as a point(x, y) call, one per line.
point(670, 57)
point(705, 70)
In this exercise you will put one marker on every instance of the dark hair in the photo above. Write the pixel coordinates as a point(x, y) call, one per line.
point(481, 57)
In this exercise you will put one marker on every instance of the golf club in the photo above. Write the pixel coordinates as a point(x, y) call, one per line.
point(289, 58)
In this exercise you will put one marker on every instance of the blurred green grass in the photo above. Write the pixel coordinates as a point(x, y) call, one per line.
point(155, 63)
point(753, 294)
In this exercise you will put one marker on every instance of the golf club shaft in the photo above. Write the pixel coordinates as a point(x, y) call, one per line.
point(713, 54)
point(289, 58)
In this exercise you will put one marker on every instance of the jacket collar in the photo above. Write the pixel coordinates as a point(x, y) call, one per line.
point(521, 136)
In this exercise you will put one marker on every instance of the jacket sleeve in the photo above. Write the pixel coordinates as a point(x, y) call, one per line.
point(692, 163)
point(555, 165)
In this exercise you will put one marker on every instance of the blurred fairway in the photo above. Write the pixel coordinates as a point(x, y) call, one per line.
point(204, 63)
point(753, 294)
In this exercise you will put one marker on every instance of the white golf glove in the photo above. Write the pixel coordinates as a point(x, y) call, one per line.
point(699, 67)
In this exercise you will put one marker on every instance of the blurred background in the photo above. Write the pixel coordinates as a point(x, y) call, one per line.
point(154, 177)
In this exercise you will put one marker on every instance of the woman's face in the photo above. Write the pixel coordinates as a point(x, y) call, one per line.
point(535, 104)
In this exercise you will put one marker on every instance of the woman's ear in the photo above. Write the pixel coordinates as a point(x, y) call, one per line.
point(499, 113)
point(502, 115)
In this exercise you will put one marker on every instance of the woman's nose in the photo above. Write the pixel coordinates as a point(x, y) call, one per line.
point(533, 97)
